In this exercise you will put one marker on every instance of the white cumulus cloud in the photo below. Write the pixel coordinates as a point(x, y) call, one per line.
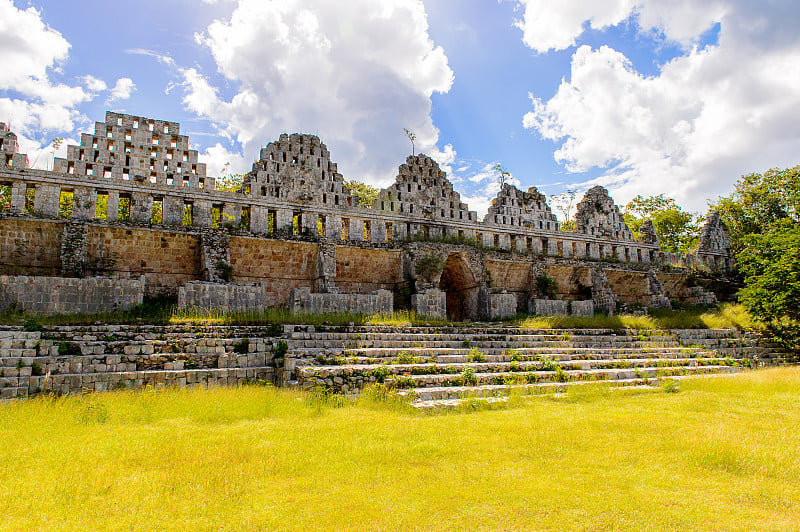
point(355, 72)
point(708, 116)
point(31, 51)
point(122, 89)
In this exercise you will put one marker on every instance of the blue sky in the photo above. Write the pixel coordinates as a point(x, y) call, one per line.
point(644, 97)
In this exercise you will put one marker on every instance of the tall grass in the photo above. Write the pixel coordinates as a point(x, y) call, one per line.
point(165, 312)
point(720, 454)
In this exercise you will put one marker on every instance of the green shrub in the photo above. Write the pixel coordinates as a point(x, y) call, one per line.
point(32, 324)
point(242, 346)
point(380, 373)
point(476, 356)
point(69, 349)
point(545, 285)
point(279, 349)
point(468, 377)
point(36, 369)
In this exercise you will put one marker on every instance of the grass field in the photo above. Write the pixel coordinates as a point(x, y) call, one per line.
point(720, 454)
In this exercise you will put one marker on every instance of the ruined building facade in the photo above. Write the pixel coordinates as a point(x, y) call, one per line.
point(133, 202)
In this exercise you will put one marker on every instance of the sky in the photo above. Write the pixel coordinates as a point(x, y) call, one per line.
point(673, 97)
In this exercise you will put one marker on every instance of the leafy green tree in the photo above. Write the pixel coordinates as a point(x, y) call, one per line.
point(758, 202)
point(770, 263)
point(365, 193)
point(676, 229)
point(502, 174)
point(229, 182)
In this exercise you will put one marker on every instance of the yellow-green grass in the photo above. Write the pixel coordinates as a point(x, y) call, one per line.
point(721, 454)
point(727, 316)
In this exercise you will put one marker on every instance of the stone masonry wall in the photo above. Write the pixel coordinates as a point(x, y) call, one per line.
point(281, 266)
point(302, 300)
point(57, 295)
point(166, 259)
point(30, 247)
point(366, 270)
point(232, 296)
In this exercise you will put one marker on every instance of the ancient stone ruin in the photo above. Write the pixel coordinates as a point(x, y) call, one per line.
point(131, 211)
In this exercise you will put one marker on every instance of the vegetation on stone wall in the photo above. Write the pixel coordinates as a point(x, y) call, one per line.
point(428, 266)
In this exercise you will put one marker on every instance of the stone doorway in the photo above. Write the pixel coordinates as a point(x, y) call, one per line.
point(460, 287)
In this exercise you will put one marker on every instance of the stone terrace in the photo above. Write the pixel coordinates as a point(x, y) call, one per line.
point(442, 366)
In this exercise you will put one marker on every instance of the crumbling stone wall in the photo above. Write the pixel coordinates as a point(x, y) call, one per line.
point(138, 150)
point(423, 190)
point(58, 295)
point(529, 209)
point(366, 270)
point(602, 294)
point(598, 215)
point(9, 148)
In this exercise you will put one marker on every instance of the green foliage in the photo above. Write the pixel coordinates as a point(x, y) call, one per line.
point(428, 266)
point(69, 349)
point(758, 202)
point(770, 263)
point(36, 370)
point(476, 356)
point(242, 346)
point(468, 377)
point(677, 230)
point(229, 182)
point(503, 175)
point(279, 349)
point(33, 323)
point(365, 193)
point(380, 373)
point(546, 285)
point(224, 270)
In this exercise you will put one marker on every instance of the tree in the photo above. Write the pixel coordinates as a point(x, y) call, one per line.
point(366, 194)
point(770, 263)
point(563, 203)
point(758, 202)
point(502, 175)
point(677, 230)
point(412, 137)
point(229, 182)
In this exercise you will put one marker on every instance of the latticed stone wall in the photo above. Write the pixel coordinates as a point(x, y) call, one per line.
point(58, 295)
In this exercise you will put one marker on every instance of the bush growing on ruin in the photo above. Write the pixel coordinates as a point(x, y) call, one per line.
point(428, 266)
point(677, 230)
point(365, 193)
point(546, 285)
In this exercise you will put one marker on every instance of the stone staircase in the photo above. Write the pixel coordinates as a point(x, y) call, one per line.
point(442, 366)
point(104, 357)
point(434, 366)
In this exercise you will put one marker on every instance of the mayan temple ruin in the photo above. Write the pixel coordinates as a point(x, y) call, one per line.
point(130, 214)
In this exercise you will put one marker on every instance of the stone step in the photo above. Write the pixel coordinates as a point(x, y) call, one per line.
point(433, 393)
point(74, 383)
point(384, 353)
point(435, 344)
point(457, 368)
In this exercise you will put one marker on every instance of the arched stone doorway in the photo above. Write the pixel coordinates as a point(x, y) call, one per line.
point(458, 283)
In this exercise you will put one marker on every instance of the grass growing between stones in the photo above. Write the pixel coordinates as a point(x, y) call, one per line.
point(720, 454)
point(727, 316)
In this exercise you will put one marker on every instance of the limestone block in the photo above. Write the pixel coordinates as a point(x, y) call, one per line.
point(582, 308)
point(548, 307)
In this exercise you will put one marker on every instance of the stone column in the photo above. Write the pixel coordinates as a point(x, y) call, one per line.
point(172, 210)
point(46, 201)
point(283, 221)
point(201, 217)
point(18, 196)
point(231, 214)
point(378, 231)
point(112, 214)
point(141, 207)
point(356, 229)
point(310, 223)
point(259, 218)
point(83, 203)
point(333, 227)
